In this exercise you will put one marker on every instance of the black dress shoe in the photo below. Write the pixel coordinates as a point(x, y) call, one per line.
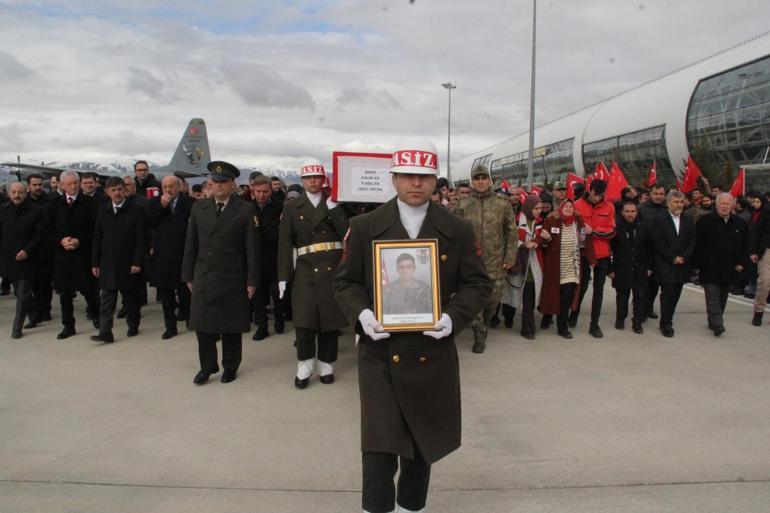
point(168, 334)
point(260, 334)
point(301, 383)
point(652, 315)
point(528, 335)
point(596, 332)
point(637, 327)
point(16, 334)
point(228, 376)
point(65, 333)
point(107, 338)
point(620, 324)
point(328, 379)
point(565, 334)
point(121, 313)
point(757, 320)
point(279, 326)
point(132, 332)
point(201, 377)
point(667, 332)
point(718, 330)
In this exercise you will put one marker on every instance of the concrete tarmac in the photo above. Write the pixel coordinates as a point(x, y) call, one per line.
point(630, 423)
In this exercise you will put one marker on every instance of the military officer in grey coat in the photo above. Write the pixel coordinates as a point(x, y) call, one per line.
point(221, 268)
point(313, 225)
point(409, 382)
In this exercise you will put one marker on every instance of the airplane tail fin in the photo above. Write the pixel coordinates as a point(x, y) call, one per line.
point(192, 155)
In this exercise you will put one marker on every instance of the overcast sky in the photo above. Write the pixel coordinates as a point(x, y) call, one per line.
point(280, 81)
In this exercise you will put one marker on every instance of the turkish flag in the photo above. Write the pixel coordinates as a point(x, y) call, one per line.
point(573, 179)
point(678, 185)
point(536, 190)
point(505, 186)
point(616, 183)
point(601, 172)
point(691, 174)
point(652, 175)
point(739, 185)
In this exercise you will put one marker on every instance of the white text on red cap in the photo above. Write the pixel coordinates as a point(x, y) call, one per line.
point(415, 158)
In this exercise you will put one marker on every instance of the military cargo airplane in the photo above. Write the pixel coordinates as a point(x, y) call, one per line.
point(190, 159)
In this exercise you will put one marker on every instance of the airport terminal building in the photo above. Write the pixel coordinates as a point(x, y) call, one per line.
point(719, 105)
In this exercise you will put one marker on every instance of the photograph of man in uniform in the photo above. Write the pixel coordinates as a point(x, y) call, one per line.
point(407, 294)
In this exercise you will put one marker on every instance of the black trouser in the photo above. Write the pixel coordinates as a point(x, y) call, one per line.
point(231, 351)
point(716, 301)
point(379, 491)
point(566, 294)
point(640, 303)
point(108, 300)
point(266, 291)
point(42, 291)
point(652, 293)
point(327, 345)
point(25, 303)
point(599, 277)
point(171, 299)
point(528, 308)
point(669, 297)
point(5, 285)
point(68, 311)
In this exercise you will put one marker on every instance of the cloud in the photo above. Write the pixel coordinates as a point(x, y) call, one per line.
point(260, 86)
point(353, 96)
point(145, 82)
point(13, 70)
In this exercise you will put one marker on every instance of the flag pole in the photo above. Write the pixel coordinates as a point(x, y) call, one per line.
point(530, 162)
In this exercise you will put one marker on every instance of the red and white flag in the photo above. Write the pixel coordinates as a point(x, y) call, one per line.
point(691, 174)
point(573, 179)
point(505, 187)
point(652, 175)
point(739, 185)
point(601, 172)
point(616, 183)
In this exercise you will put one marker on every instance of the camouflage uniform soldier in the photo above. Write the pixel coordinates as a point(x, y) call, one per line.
point(494, 224)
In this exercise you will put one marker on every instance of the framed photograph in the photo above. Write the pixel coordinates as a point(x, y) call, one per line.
point(406, 284)
point(361, 177)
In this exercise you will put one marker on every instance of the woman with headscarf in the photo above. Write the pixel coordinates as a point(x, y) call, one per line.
point(523, 286)
point(563, 239)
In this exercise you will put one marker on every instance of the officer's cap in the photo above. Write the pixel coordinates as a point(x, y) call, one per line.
point(222, 171)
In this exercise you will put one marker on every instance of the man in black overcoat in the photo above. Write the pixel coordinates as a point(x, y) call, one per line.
point(648, 211)
point(221, 268)
point(409, 382)
point(71, 220)
point(143, 178)
point(673, 237)
point(721, 253)
point(269, 216)
point(21, 234)
point(630, 265)
point(117, 256)
point(42, 292)
point(169, 215)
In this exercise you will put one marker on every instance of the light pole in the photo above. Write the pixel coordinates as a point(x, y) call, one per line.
point(449, 86)
point(530, 162)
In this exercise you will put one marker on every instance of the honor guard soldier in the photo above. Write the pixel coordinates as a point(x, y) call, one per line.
point(314, 225)
point(496, 231)
point(409, 382)
point(221, 269)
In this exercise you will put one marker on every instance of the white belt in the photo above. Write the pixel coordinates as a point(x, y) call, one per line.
point(320, 246)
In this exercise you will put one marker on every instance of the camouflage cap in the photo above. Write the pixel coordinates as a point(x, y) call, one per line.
point(559, 185)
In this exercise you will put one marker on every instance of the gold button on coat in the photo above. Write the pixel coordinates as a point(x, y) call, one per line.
point(444, 258)
point(423, 359)
point(396, 358)
point(316, 269)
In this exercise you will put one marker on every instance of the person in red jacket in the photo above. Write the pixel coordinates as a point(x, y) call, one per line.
point(599, 217)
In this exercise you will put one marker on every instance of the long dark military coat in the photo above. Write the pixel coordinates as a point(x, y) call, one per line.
point(302, 224)
point(410, 383)
point(170, 232)
point(72, 269)
point(221, 259)
point(120, 241)
point(21, 227)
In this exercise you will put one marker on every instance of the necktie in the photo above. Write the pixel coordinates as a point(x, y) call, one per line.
point(220, 206)
point(69, 201)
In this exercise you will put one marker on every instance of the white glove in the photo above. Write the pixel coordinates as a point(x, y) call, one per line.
point(330, 204)
point(443, 328)
point(371, 326)
point(281, 289)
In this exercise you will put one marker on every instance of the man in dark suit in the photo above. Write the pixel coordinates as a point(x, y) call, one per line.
point(169, 215)
point(89, 184)
point(117, 256)
point(71, 220)
point(143, 179)
point(221, 269)
point(313, 225)
point(673, 237)
point(21, 235)
point(269, 217)
point(721, 253)
point(409, 382)
point(43, 287)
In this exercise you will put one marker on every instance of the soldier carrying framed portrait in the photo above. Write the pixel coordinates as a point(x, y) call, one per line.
point(406, 284)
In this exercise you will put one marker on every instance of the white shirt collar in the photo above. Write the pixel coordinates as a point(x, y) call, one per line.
point(316, 198)
point(412, 217)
